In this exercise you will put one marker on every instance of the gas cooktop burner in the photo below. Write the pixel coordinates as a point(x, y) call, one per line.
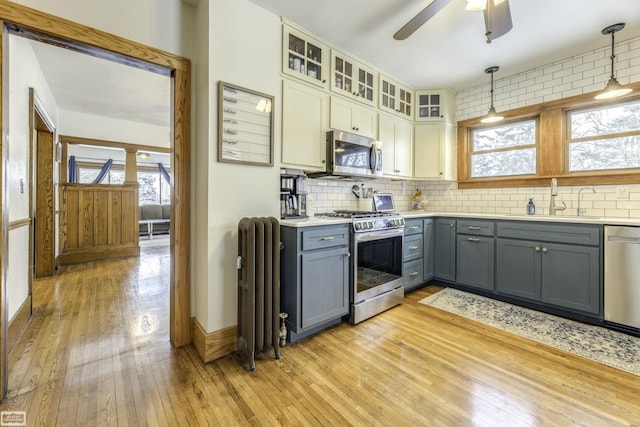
point(369, 221)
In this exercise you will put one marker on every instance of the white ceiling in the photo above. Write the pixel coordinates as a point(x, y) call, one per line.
point(450, 49)
point(87, 84)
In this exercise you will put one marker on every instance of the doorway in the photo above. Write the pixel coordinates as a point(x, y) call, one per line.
point(23, 22)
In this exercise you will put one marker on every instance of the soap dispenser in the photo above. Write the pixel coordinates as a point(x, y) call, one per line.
point(531, 207)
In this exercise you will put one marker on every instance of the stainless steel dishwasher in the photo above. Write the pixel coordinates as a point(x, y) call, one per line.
point(622, 276)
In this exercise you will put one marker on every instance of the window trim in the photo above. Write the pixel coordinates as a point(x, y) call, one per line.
point(553, 154)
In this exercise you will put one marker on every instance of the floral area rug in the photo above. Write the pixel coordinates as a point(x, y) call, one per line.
point(602, 345)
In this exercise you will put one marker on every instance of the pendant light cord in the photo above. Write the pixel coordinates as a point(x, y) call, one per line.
point(492, 89)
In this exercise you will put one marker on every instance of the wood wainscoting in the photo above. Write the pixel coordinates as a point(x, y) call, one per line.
point(98, 222)
point(213, 345)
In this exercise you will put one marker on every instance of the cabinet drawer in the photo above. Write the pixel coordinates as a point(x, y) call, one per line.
point(412, 226)
point(412, 247)
point(412, 273)
point(566, 233)
point(325, 237)
point(475, 227)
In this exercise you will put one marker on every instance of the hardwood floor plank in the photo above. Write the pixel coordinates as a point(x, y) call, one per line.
point(96, 352)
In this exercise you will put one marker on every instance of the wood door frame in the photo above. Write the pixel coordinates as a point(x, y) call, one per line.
point(37, 25)
point(40, 122)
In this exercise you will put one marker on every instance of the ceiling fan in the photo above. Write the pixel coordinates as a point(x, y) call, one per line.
point(497, 17)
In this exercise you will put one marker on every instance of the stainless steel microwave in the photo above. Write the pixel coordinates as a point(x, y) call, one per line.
point(351, 155)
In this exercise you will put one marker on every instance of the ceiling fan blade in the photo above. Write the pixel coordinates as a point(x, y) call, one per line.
point(497, 19)
point(422, 17)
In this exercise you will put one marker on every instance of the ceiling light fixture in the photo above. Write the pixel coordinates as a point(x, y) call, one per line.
point(613, 88)
point(492, 116)
point(480, 4)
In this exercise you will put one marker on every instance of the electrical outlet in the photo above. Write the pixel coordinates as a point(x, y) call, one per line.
point(622, 192)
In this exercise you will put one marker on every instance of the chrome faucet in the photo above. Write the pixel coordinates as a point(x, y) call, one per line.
point(554, 193)
point(582, 211)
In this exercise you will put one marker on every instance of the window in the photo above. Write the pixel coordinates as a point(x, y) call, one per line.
point(87, 173)
point(504, 150)
point(602, 138)
point(153, 188)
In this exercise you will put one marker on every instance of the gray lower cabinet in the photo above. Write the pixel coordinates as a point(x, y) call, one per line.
point(564, 270)
point(314, 277)
point(444, 249)
point(518, 268)
point(475, 261)
point(571, 277)
point(413, 254)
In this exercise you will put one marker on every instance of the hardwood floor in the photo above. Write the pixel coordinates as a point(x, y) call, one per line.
point(97, 352)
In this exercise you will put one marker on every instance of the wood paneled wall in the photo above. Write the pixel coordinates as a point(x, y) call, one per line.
point(97, 222)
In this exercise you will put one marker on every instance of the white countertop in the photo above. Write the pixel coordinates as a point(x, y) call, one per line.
point(324, 220)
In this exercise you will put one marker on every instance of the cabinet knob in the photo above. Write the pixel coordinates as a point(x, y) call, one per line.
point(348, 254)
point(452, 225)
point(545, 250)
point(324, 81)
point(537, 248)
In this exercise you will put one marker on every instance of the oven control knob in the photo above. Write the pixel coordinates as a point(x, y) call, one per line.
point(357, 226)
point(369, 225)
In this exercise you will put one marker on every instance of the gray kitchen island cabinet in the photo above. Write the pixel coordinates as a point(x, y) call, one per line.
point(314, 277)
point(556, 265)
point(445, 249)
point(475, 254)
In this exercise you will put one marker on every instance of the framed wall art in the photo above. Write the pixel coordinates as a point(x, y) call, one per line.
point(245, 126)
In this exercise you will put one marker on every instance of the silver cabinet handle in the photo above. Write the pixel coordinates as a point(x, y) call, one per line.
point(413, 227)
point(413, 248)
point(413, 273)
point(537, 248)
point(473, 228)
point(328, 238)
point(545, 250)
point(473, 239)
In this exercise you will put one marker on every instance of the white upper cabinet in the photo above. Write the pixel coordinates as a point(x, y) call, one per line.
point(304, 126)
point(434, 151)
point(435, 105)
point(353, 79)
point(304, 57)
point(352, 117)
point(396, 136)
point(395, 98)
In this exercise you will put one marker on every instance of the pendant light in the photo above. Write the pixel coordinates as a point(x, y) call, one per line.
point(492, 116)
point(613, 88)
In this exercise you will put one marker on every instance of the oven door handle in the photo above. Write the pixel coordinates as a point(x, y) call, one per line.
point(377, 235)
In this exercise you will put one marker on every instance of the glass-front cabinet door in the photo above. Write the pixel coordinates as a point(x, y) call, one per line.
point(435, 105)
point(304, 57)
point(395, 98)
point(351, 78)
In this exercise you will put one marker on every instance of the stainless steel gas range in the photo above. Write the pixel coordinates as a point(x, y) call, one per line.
point(376, 247)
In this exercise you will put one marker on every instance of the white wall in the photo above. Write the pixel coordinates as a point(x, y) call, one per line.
point(244, 49)
point(24, 72)
point(85, 125)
